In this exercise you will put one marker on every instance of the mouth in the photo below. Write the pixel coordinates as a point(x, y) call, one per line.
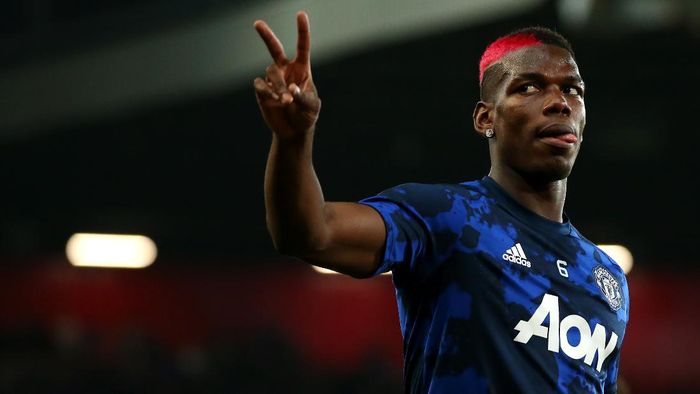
point(558, 135)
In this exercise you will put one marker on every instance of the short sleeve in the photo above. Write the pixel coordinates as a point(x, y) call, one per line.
point(409, 212)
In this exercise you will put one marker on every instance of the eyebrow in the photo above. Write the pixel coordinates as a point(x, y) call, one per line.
point(539, 77)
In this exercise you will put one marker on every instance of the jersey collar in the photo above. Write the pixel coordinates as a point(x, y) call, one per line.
point(524, 214)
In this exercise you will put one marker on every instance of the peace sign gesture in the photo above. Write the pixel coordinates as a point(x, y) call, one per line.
point(287, 96)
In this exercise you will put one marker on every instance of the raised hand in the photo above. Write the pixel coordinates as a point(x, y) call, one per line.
point(287, 96)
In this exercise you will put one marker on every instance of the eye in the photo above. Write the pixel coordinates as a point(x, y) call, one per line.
point(528, 88)
point(573, 90)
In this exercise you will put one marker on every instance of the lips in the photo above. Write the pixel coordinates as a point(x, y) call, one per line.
point(558, 135)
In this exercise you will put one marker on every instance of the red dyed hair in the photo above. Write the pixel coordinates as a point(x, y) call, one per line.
point(503, 46)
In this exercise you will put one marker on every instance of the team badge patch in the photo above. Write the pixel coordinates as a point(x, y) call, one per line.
point(609, 286)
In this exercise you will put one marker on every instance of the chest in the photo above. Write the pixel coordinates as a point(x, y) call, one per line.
point(516, 273)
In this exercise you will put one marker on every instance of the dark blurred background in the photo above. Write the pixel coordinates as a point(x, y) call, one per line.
point(138, 117)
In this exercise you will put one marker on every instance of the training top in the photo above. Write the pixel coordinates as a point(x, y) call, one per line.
point(493, 298)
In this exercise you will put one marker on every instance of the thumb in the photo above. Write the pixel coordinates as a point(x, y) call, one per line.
point(308, 100)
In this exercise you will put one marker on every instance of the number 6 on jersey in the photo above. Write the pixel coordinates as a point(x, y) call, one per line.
point(561, 265)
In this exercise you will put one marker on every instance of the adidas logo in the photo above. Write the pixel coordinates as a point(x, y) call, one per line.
point(516, 254)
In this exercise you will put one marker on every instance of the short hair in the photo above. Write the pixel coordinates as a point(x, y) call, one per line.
point(521, 38)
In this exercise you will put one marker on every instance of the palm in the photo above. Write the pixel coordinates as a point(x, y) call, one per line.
point(287, 114)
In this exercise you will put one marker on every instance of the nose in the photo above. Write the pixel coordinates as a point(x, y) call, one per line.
point(556, 104)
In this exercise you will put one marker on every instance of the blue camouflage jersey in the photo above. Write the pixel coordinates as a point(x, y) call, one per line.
point(494, 298)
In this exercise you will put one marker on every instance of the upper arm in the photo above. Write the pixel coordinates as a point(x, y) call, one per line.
point(355, 240)
point(381, 233)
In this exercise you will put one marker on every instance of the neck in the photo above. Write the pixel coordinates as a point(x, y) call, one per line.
point(545, 198)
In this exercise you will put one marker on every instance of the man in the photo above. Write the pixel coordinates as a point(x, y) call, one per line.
point(497, 291)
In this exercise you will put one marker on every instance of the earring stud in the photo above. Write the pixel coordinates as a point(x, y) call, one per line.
point(490, 133)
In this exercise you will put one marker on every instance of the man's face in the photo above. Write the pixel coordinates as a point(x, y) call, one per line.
point(538, 113)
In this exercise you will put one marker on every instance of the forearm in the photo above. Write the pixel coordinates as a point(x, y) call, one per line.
point(347, 237)
point(294, 200)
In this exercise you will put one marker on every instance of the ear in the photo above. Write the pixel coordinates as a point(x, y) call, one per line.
point(483, 117)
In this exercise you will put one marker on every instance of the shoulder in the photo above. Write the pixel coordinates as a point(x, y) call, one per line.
point(606, 270)
point(429, 201)
point(434, 192)
point(601, 257)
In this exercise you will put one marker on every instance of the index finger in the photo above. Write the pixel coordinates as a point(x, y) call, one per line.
point(274, 46)
point(303, 39)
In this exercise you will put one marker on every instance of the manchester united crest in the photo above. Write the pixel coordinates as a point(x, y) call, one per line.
point(609, 286)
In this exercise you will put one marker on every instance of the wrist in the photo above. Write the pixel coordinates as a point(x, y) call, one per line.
point(294, 139)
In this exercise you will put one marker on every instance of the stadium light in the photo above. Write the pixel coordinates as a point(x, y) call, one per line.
point(621, 255)
point(110, 250)
point(326, 271)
